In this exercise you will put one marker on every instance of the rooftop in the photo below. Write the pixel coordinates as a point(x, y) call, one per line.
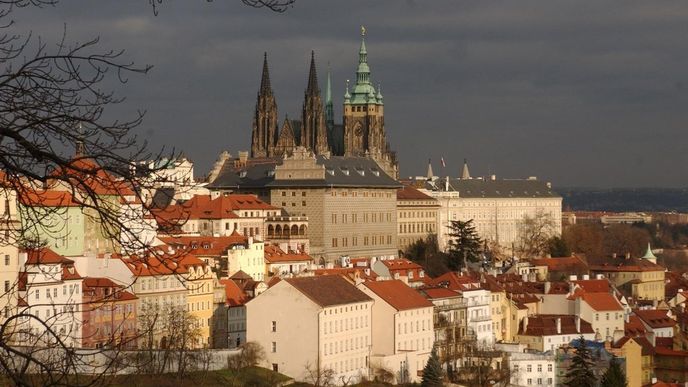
point(397, 294)
point(328, 290)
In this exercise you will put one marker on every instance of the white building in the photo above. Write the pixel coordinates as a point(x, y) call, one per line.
point(249, 258)
point(497, 207)
point(547, 332)
point(403, 332)
point(308, 325)
point(50, 289)
point(532, 369)
point(479, 313)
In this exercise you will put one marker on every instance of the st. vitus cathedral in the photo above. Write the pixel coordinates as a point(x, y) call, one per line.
point(362, 132)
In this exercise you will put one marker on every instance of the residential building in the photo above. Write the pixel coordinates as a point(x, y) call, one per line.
point(416, 216)
point(9, 252)
point(407, 271)
point(312, 324)
point(281, 263)
point(50, 288)
point(547, 332)
point(403, 331)
point(638, 278)
point(659, 322)
point(594, 301)
point(450, 324)
point(108, 315)
point(230, 317)
point(532, 369)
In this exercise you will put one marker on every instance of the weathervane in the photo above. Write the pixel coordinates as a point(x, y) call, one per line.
point(363, 31)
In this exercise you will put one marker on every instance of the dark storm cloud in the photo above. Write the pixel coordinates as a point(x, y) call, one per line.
point(580, 93)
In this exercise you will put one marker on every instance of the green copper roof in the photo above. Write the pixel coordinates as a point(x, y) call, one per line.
point(648, 253)
point(363, 91)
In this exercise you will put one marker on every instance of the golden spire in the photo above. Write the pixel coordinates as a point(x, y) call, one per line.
point(363, 31)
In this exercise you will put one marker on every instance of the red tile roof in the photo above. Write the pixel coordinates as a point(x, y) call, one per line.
point(437, 293)
point(233, 293)
point(47, 198)
point(397, 294)
point(546, 325)
point(594, 285)
point(203, 207)
point(572, 264)
point(410, 193)
point(634, 326)
point(86, 175)
point(328, 290)
point(206, 245)
point(274, 254)
point(162, 263)
point(45, 256)
point(655, 318)
point(621, 264)
point(602, 301)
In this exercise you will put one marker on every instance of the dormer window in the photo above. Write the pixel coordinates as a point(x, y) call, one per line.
point(242, 174)
point(330, 171)
point(345, 171)
point(375, 172)
point(271, 173)
point(360, 171)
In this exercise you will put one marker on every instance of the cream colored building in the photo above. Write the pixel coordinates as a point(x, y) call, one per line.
point(639, 278)
point(349, 201)
point(9, 254)
point(497, 207)
point(249, 258)
point(403, 332)
point(416, 216)
point(312, 324)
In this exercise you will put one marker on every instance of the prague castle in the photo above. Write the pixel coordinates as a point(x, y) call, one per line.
point(361, 134)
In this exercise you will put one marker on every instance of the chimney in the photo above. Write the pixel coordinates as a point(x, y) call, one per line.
point(627, 318)
point(628, 255)
point(524, 277)
point(573, 277)
point(577, 318)
point(586, 277)
point(558, 325)
point(613, 255)
point(243, 157)
point(599, 276)
point(525, 324)
point(548, 286)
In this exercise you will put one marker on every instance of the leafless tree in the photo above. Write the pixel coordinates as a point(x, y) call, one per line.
point(272, 5)
point(319, 377)
point(534, 232)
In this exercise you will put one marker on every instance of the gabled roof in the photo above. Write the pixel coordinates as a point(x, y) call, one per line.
point(623, 264)
point(594, 285)
point(655, 318)
point(47, 198)
point(546, 325)
point(634, 327)
point(205, 245)
point(398, 295)
point(572, 264)
point(328, 290)
point(233, 293)
point(602, 301)
point(439, 293)
point(274, 254)
point(45, 256)
point(161, 262)
point(407, 192)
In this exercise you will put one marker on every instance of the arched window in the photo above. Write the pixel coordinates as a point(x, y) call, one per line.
point(278, 231)
point(271, 230)
point(294, 230)
point(302, 229)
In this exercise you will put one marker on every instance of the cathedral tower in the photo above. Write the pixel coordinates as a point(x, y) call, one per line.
point(314, 130)
point(364, 118)
point(364, 114)
point(264, 135)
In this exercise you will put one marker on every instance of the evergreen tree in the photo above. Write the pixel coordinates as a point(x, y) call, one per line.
point(580, 372)
point(558, 248)
point(432, 373)
point(464, 243)
point(614, 377)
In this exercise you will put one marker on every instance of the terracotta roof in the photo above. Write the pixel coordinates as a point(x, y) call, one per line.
point(328, 290)
point(47, 198)
point(655, 318)
point(621, 264)
point(563, 264)
point(206, 245)
point(162, 262)
point(670, 352)
point(85, 174)
point(409, 193)
point(233, 293)
point(602, 301)
point(397, 294)
point(352, 273)
point(204, 207)
point(453, 281)
point(69, 272)
point(45, 256)
point(274, 254)
point(594, 285)
point(634, 326)
point(437, 293)
point(666, 342)
point(546, 325)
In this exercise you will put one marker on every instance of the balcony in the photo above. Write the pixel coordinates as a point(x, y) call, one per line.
point(480, 318)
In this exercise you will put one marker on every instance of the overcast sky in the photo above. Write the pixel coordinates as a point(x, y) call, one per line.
point(579, 93)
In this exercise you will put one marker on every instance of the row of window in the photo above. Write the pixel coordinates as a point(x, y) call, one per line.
point(416, 228)
point(344, 325)
point(365, 194)
point(529, 368)
point(352, 344)
point(375, 240)
point(417, 214)
point(372, 217)
point(72, 290)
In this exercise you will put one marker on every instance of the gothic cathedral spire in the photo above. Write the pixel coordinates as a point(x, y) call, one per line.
point(313, 132)
point(264, 134)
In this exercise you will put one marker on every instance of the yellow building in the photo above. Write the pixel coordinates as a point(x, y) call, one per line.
point(639, 278)
point(9, 254)
point(416, 216)
point(199, 300)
